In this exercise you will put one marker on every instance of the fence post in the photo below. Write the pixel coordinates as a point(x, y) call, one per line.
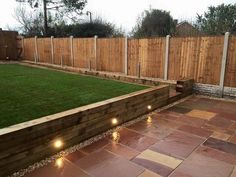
point(36, 59)
point(23, 47)
point(95, 51)
point(223, 63)
point(71, 51)
point(52, 49)
point(61, 60)
point(167, 57)
point(139, 69)
point(126, 55)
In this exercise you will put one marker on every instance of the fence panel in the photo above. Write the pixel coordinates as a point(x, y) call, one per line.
point(196, 57)
point(133, 56)
point(44, 50)
point(152, 57)
point(83, 49)
point(230, 73)
point(62, 51)
point(29, 49)
point(111, 54)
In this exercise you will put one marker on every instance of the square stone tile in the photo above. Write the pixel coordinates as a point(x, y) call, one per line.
point(220, 136)
point(218, 129)
point(191, 121)
point(220, 122)
point(233, 127)
point(196, 131)
point(202, 166)
point(161, 170)
point(135, 140)
point(234, 173)
point(217, 154)
point(162, 159)
point(156, 129)
point(105, 164)
point(179, 174)
point(221, 145)
point(179, 109)
point(67, 169)
point(233, 139)
point(148, 173)
point(227, 115)
point(201, 114)
point(75, 156)
point(95, 146)
point(121, 150)
point(178, 144)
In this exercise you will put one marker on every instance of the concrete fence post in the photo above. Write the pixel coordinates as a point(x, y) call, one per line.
point(139, 69)
point(126, 56)
point(223, 63)
point(61, 60)
point(52, 49)
point(23, 47)
point(71, 51)
point(166, 57)
point(95, 51)
point(36, 59)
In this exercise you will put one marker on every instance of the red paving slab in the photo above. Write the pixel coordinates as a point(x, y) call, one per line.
point(68, 169)
point(202, 166)
point(135, 140)
point(217, 154)
point(105, 164)
point(178, 144)
point(155, 167)
point(197, 144)
point(195, 131)
point(122, 150)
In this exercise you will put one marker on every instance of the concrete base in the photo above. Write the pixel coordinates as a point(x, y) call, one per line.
point(214, 90)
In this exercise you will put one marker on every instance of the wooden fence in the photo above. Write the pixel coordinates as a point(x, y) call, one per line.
point(178, 58)
point(8, 45)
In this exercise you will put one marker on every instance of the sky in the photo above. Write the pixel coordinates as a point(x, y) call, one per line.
point(124, 13)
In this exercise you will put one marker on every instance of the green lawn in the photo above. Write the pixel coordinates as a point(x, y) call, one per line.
point(27, 93)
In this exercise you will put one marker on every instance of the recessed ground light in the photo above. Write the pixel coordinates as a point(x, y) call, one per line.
point(58, 144)
point(114, 121)
point(115, 136)
point(149, 119)
point(149, 107)
point(59, 162)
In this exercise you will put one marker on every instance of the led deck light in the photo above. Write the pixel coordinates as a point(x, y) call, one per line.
point(58, 144)
point(149, 107)
point(114, 121)
point(59, 162)
point(149, 119)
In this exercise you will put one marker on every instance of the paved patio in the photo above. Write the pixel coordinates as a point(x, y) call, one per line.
point(196, 138)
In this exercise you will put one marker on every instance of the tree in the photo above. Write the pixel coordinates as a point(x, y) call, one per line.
point(70, 8)
point(31, 24)
point(154, 22)
point(217, 20)
point(88, 29)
